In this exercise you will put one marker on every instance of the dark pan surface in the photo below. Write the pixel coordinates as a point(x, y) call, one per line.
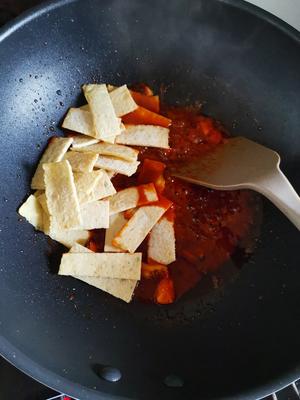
point(241, 341)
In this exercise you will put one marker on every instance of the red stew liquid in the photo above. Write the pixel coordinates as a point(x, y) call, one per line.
point(209, 225)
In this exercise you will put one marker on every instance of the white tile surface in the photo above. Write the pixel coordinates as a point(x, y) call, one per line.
point(288, 10)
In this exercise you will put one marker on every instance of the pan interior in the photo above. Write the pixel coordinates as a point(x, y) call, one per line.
point(242, 340)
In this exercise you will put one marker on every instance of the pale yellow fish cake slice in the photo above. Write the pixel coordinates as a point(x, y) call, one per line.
point(81, 162)
point(37, 193)
point(55, 151)
point(78, 248)
point(145, 135)
point(46, 217)
point(132, 197)
point(43, 202)
point(111, 174)
point(122, 101)
point(81, 121)
point(116, 150)
point(80, 141)
point(116, 223)
point(49, 227)
point(117, 165)
point(110, 88)
point(66, 237)
point(32, 211)
point(46, 224)
point(106, 123)
point(69, 238)
point(85, 183)
point(95, 215)
point(105, 265)
point(103, 189)
point(85, 107)
point(161, 243)
point(121, 288)
point(61, 195)
point(138, 227)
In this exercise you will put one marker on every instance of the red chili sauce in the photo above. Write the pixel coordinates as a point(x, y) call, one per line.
point(209, 225)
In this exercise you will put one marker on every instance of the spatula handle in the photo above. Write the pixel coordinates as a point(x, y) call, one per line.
point(281, 193)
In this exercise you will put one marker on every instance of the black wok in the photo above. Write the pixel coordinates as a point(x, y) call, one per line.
point(239, 341)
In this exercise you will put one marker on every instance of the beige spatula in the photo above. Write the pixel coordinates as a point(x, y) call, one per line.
point(243, 164)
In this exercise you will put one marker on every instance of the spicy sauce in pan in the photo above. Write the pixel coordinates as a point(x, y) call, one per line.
point(209, 225)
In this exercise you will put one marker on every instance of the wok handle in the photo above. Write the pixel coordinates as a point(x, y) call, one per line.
point(276, 187)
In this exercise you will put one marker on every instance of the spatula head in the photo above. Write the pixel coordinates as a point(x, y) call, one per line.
point(238, 163)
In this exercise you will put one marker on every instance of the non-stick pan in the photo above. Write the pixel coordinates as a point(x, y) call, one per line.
point(240, 341)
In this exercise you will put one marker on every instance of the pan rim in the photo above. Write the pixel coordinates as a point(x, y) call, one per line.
point(50, 5)
point(45, 376)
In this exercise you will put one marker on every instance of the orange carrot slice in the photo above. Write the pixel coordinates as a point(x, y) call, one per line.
point(149, 102)
point(165, 292)
point(145, 117)
point(152, 171)
point(93, 246)
point(153, 270)
point(143, 88)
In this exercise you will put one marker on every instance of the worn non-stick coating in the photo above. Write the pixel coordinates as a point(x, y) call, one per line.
point(244, 65)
